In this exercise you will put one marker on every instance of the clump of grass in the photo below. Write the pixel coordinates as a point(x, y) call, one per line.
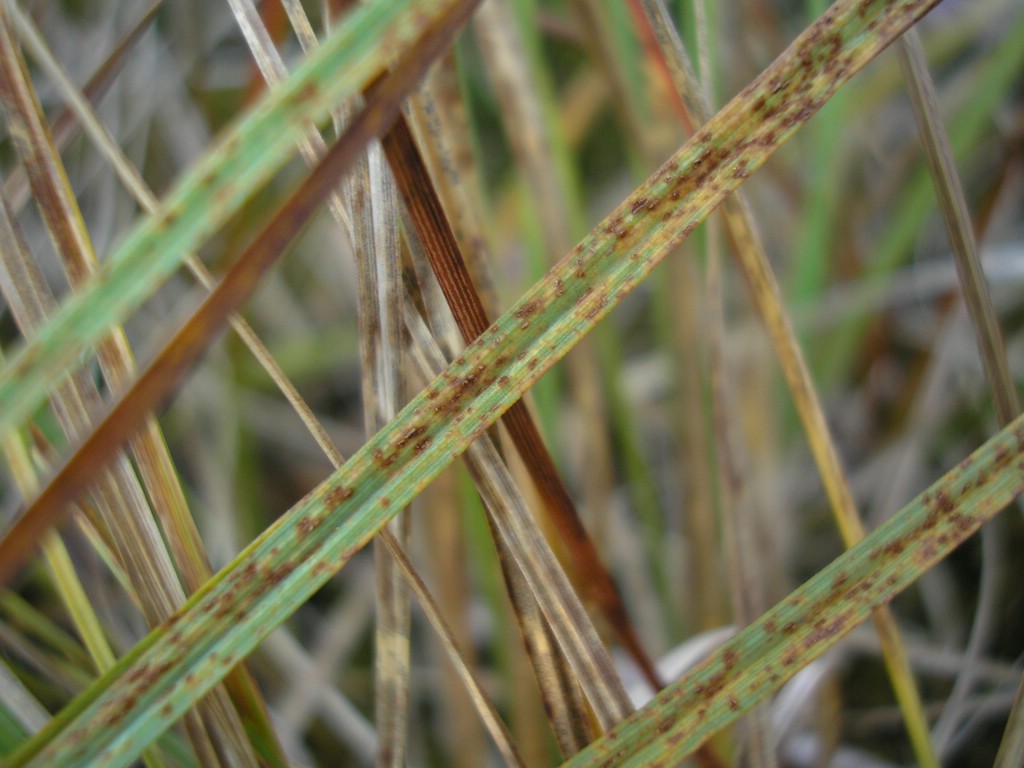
point(185, 578)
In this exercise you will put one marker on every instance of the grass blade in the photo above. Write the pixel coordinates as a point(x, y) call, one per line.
point(816, 615)
point(190, 342)
point(213, 190)
point(468, 310)
point(286, 565)
point(767, 298)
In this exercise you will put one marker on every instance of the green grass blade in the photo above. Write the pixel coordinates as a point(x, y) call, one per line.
point(814, 617)
point(155, 683)
point(214, 189)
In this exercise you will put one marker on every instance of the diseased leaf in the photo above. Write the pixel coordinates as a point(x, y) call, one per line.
point(360, 48)
point(175, 664)
point(815, 616)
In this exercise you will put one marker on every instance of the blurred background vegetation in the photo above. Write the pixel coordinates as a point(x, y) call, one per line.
point(558, 113)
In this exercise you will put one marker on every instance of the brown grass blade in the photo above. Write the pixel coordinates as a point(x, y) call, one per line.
point(557, 687)
point(191, 341)
point(521, 538)
point(123, 503)
point(443, 250)
point(438, 117)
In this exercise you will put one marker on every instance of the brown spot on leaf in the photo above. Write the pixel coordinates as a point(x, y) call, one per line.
point(307, 525)
point(338, 495)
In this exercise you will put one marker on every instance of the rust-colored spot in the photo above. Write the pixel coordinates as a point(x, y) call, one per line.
point(385, 502)
point(338, 495)
point(598, 306)
point(528, 309)
point(383, 460)
point(790, 628)
point(639, 204)
point(279, 574)
point(422, 445)
point(962, 523)
point(410, 434)
point(943, 502)
point(824, 632)
point(895, 547)
point(730, 659)
point(307, 525)
point(734, 705)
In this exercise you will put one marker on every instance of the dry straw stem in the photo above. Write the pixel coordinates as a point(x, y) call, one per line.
point(974, 288)
point(168, 671)
point(195, 337)
point(767, 297)
point(175, 664)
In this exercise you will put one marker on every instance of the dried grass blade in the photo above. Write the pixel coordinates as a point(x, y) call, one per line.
point(213, 190)
point(767, 298)
point(491, 718)
point(963, 243)
point(814, 617)
point(374, 205)
point(15, 187)
point(288, 563)
point(66, 583)
point(563, 706)
point(519, 538)
point(198, 333)
point(959, 228)
point(451, 271)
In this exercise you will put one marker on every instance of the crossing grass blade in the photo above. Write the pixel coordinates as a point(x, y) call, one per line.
point(816, 615)
point(245, 158)
point(152, 686)
point(241, 280)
